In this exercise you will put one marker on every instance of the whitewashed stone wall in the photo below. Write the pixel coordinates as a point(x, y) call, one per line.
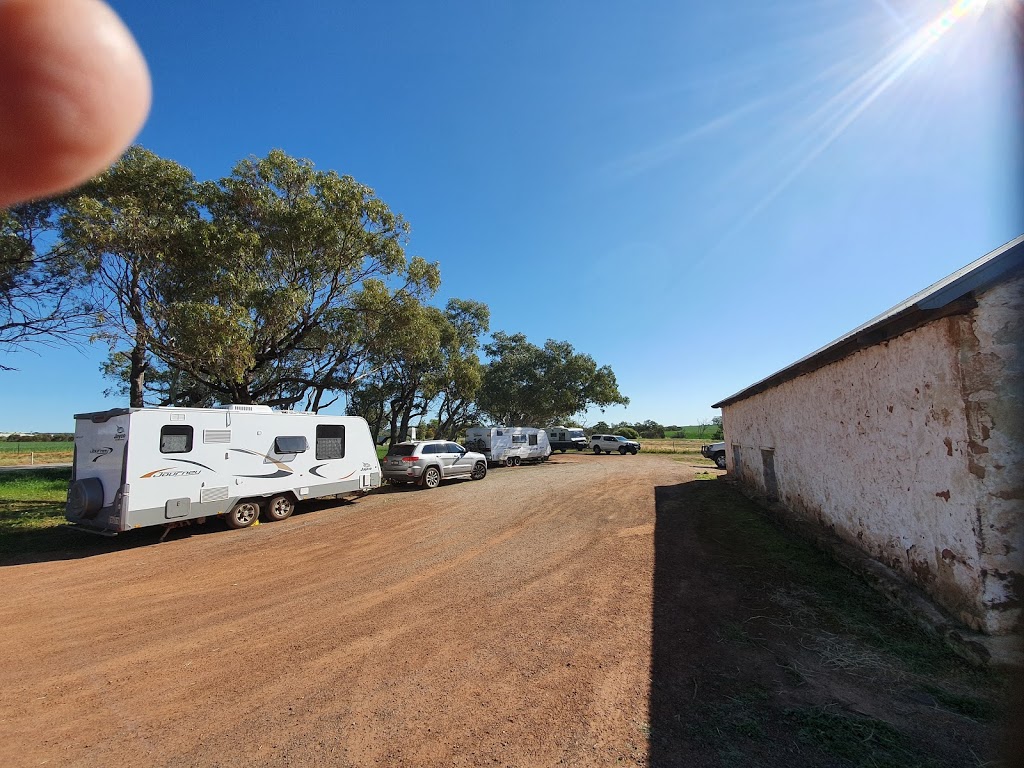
point(913, 450)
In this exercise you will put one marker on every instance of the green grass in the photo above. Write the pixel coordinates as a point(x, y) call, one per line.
point(968, 706)
point(32, 500)
point(37, 447)
point(862, 741)
point(693, 433)
point(842, 604)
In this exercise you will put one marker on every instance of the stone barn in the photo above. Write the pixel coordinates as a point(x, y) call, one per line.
point(905, 438)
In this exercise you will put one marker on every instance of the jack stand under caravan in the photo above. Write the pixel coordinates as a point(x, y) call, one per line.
point(137, 467)
point(510, 446)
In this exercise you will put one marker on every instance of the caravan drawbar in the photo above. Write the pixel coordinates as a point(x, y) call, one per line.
point(138, 467)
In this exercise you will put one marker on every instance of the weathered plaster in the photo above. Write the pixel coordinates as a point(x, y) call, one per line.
point(913, 450)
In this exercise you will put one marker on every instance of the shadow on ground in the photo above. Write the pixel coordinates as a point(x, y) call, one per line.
point(765, 652)
point(64, 542)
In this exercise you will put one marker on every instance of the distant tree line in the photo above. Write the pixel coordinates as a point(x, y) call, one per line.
point(278, 284)
point(711, 430)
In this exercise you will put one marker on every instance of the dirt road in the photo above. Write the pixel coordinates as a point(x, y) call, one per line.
point(515, 621)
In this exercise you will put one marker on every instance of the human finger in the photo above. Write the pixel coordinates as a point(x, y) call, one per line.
point(74, 93)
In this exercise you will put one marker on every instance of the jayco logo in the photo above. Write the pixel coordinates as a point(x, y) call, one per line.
point(120, 435)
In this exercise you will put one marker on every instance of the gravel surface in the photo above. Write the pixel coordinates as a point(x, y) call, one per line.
point(504, 622)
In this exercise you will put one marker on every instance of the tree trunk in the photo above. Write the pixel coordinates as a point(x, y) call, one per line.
point(137, 376)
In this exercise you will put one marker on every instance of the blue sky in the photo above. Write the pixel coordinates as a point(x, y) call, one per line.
point(694, 194)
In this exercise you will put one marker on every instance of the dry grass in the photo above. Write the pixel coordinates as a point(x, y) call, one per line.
point(13, 459)
point(675, 445)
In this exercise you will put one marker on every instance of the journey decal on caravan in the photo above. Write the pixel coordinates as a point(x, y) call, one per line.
point(137, 467)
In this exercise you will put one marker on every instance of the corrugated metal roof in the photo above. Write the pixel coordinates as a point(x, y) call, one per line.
point(950, 295)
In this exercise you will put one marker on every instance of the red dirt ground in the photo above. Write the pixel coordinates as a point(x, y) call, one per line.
point(515, 621)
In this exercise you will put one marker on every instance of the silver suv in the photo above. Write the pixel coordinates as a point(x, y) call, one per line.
point(609, 443)
point(428, 462)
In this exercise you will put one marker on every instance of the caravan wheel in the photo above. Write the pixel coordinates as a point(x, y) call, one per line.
point(280, 508)
point(244, 514)
point(517, 461)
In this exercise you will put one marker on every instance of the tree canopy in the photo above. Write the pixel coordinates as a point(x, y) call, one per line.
point(265, 286)
point(279, 284)
point(524, 384)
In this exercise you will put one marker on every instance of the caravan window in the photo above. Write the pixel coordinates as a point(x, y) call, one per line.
point(290, 444)
point(330, 441)
point(533, 439)
point(518, 439)
point(175, 438)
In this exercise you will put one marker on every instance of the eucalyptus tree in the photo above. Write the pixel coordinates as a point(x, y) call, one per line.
point(524, 384)
point(304, 264)
point(41, 298)
point(266, 286)
point(139, 231)
point(461, 374)
point(425, 363)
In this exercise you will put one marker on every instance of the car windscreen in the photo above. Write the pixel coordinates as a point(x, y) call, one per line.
point(401, 450)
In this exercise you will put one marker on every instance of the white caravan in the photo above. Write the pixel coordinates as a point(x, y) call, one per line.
point(509, 445)
point(136, 467)
point(566, 439)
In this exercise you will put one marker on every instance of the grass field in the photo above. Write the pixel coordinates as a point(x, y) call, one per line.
point(12, 454)
point(693, 433)
point(40, 447)
point(30, 501)
point(675, 445)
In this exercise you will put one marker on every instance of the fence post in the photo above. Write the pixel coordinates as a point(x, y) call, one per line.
point(32, 458)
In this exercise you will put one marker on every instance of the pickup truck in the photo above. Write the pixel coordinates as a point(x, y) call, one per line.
point(715, 452)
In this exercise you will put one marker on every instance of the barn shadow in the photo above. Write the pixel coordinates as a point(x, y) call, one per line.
point(707, 673)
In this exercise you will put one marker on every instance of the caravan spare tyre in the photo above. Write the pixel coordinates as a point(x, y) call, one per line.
point(85, 497)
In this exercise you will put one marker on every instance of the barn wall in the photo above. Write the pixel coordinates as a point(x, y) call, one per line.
point(911, 450)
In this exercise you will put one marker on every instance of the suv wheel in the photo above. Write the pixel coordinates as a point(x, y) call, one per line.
point(623, 450)
point(720, 461)
point(597, 450)
point(431, 477)
point(479, 470)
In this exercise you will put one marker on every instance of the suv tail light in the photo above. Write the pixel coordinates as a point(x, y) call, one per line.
point(409, 458)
